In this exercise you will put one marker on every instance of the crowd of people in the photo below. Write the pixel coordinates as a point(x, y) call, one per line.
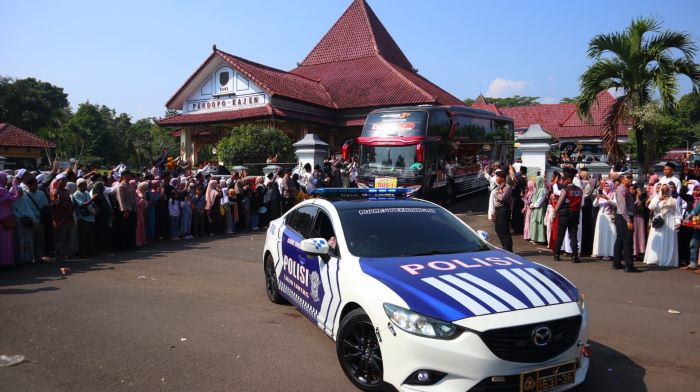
point(61, 214)
point(607, 217)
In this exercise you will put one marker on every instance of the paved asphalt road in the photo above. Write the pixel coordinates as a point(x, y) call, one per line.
point(193, 316)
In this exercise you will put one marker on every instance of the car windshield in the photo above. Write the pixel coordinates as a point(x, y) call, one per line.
point(396, 231)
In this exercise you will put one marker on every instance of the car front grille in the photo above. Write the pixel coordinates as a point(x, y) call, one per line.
point(516, 344)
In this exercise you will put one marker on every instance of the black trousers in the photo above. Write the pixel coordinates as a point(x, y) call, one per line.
point(568, 222)
point(517, 218)
point(86, 239)
point(503, 227)
point(623, 242)
point(587, 226)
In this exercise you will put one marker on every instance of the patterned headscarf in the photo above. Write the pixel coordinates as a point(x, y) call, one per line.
point(611, 185)
point(531, 189)
point(211, 194)
point(540, 189)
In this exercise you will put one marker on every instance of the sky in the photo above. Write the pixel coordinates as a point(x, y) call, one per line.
point(133, 56)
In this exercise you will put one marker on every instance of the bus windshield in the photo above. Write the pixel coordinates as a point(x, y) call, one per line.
point(407, 123)
point(388, 160)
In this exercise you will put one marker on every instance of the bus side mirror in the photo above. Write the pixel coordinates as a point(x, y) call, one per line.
point(347, 149)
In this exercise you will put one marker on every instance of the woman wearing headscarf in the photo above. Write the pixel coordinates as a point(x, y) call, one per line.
point(103, 218)
point(162, 213)
point(7, 219)
point(152, 196)
point(141, 204)
point(605, 233)
point(212, 207)
point(587, 219)
point(640, 226)
point(662, 246)
point(551, 216)
point(24, 237)
point(517, 219)
point(527, 200)
point(62, 218)
point(72, 187)
point(537, 206)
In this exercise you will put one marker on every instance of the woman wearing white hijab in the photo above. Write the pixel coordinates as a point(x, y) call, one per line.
point(605, 233)
point(662, 246)
point(212, 207)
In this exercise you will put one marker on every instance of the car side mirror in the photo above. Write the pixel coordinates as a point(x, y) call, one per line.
point(484, 235)
point(315, 247)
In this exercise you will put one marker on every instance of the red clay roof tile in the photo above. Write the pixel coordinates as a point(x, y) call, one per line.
point(562, 120)
point(12, 136)
point(357, 33)
point(355, 65)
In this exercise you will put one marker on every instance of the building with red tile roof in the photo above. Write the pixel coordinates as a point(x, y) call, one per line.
point(561, 120)
point(355, 68)
point(22, 149)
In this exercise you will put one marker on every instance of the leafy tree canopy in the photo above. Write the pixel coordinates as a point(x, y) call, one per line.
point(31, 104)
point(251, 143)
point(640, 62)
point(515, 100)
point(568, 100)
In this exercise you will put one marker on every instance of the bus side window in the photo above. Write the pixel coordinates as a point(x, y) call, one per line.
point(439, 124)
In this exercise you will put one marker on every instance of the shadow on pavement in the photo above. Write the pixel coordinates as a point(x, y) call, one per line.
point(611, 370)
point(48, 272)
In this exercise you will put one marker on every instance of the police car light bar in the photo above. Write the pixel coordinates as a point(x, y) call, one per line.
point(361, 191)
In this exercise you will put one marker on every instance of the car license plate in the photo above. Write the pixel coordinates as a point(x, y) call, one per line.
point(548, 378)
point(385, 182)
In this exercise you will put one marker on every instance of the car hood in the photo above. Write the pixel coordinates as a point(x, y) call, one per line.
point(457, 286)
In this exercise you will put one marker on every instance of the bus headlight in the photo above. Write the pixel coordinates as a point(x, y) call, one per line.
point(421, 325)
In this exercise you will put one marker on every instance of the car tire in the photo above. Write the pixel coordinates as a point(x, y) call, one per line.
point(358, 352)
point(273, 292)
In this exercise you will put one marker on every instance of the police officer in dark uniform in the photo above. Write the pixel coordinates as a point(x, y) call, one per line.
point(569, 211)
point(502, 202)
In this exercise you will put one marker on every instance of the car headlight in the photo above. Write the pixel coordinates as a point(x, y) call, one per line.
point(421, 325)
point(581, 301)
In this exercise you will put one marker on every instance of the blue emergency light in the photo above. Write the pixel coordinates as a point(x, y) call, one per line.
point(395, 192)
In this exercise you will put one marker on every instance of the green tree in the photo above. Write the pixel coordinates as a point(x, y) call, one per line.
point(689, 109)
point(664, 131)
point(31, 104)
point(515, 100)
point(568, 100)
point(639, 63)
point(249, 143)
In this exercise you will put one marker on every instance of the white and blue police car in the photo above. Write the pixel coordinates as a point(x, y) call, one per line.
point(416, 299)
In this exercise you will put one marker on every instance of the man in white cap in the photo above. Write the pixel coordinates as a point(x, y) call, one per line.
point(85, 207)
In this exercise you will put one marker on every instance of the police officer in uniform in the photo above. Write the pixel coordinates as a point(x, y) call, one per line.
point(502, 202)
point(569, 211)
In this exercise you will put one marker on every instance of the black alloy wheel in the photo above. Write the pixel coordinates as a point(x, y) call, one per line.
point(358, 352)
point(273, 292)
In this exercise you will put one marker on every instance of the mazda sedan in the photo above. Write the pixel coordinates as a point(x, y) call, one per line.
point(416, 299)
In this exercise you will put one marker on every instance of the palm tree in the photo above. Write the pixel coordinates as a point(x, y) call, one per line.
point(639, 63)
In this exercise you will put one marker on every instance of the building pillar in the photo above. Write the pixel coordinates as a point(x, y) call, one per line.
point(311, 149)
point(535, 146)
point(186, 147)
